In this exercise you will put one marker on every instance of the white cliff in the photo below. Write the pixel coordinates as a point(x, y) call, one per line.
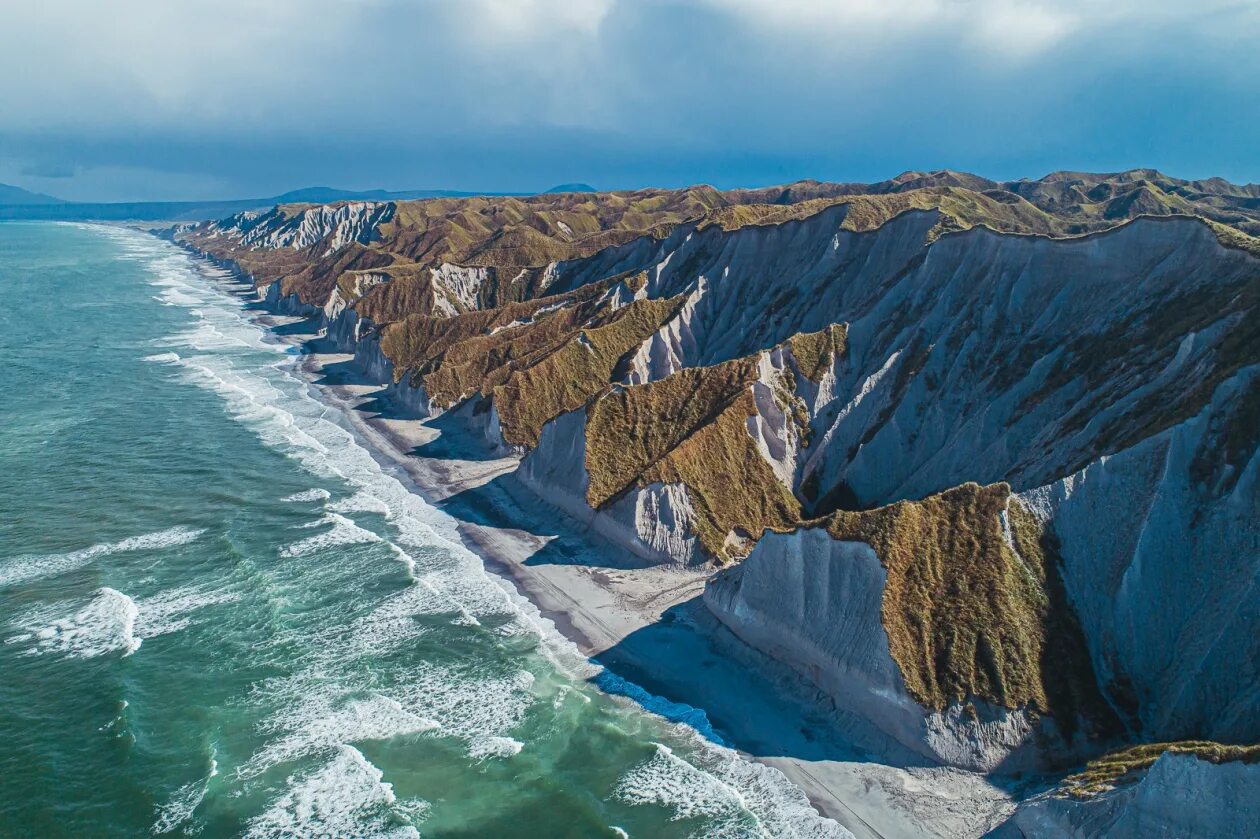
point(331, 225)
point(1180, 796)
point(814, 603)
point(653, 522)
point(1161, 560)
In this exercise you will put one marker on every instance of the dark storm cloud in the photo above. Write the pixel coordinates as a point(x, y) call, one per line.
point(149, 99)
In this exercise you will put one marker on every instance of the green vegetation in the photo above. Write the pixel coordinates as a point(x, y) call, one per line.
point(964, 614)
point(969, 618)
point(691, 429)
point(1129, 765)
point(814, 352)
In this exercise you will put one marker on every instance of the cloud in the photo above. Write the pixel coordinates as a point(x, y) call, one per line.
point(1005, 29)
point(514, 94)
point(49, 169)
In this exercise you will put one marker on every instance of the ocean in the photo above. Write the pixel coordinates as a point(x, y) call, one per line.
point(221, 617)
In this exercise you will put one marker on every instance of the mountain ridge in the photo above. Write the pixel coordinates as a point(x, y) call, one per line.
point(15, 195)
point(18, 203)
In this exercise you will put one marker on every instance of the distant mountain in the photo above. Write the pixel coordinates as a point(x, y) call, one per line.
point(13, 195)
point(328, 194)
point(19, 204)
point(570, 188)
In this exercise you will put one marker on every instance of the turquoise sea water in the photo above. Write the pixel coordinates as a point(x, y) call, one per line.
point(220, 617)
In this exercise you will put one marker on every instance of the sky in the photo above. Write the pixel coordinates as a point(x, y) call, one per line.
point(187, 99)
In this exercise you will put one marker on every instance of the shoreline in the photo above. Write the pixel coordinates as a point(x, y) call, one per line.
point(645, 623)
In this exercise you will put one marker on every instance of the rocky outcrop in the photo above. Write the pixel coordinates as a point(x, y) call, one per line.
point(1180, 795)
point(1161, 559)
point(655, 522)
point(331, 226)
point(923, 617)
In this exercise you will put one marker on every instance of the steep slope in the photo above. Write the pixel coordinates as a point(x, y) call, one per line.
point(1160, 790)
point(984, 479)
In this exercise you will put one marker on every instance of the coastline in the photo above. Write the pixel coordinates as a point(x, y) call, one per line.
point(645, 623)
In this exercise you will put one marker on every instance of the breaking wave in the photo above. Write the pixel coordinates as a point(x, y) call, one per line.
point(346, 797)
point(24, 569)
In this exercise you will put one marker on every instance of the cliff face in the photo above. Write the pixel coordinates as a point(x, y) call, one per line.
point(1181, 789)
point(986, 480)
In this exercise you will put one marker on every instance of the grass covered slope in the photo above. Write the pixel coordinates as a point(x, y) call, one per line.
point(516, 237)
point(1128, 765)
point(973, 607)
point(691, 429)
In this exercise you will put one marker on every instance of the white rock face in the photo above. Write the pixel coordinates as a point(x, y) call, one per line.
point(957, 350)
point(773, 426)
point(288, 304)
point(655, 523)
point(667, 351)
point(814, 603)
point(457, 289)
point(1180, 796)
point(1163, 572)
point(362, 283)
point(333, 225)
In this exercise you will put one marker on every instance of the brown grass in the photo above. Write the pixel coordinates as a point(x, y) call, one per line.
point(1129, 765)
point(581, 368)
point(690, 428)
point(964, 614)
point(815, 352)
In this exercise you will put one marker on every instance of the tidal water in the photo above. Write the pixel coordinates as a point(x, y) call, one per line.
point(220, 617)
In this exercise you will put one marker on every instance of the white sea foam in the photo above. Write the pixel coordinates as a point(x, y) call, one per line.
point(361, 502)
point(113, 621)
point(343, 532)
point(390, 625)
point(316, 494)
point(26, 568)
point(176, 297)
point(737, 797)
point(169, 611)
point(673, 783)
point(105, 625)
point(479, 710)
point(321, 721)
point(496, 747)
point(163, 358)
point(183, 803)
point(345, 798)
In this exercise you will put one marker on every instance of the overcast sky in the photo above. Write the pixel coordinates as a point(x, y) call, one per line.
point(169, 99)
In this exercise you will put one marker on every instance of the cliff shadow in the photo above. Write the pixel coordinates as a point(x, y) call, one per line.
point(347, 374)
point(689, 668)
point(505, 503)
point(305, 326)
point(455, 440)
point(557, 540)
